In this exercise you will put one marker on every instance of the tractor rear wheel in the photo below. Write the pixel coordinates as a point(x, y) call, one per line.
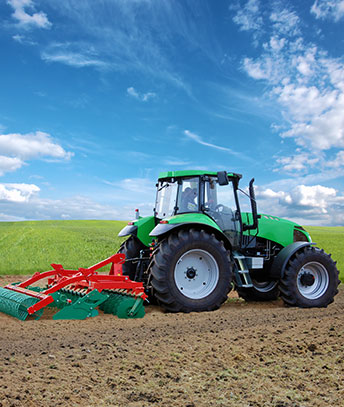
point(310, 279)
point(131, 248)
point(261, 291)
point(191, 271)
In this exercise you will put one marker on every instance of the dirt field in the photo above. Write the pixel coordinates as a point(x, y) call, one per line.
point(241, 355)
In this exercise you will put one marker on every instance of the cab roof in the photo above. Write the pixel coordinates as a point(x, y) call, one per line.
point(192, 173)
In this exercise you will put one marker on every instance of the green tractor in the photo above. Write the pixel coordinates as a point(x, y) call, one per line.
point(198, 246)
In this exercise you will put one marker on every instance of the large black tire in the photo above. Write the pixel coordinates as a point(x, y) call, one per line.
point(261, 291)
point(310, 279)
point(191, 272)
point(131, 248)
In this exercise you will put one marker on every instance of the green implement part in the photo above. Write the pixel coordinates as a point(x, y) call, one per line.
point(82, 308)
point(131, 308)
point(16, 304)
point(124, 306)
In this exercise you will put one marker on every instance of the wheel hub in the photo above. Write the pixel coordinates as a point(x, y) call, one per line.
point(191, 273)
point(307, 279)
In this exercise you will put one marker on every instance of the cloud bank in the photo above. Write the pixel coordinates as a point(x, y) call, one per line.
point(18, 148)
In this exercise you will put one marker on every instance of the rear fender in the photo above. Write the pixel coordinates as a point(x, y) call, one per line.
point(280, 262)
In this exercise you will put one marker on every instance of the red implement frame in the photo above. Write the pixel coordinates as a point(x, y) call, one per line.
point(83, 278)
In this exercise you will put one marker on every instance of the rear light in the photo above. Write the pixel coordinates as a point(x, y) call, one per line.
point(164, 222)
point(130, 223)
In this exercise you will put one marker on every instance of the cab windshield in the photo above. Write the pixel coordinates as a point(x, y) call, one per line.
point(166, 199)
point(179, 196)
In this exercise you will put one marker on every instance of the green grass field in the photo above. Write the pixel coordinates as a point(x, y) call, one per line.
point(27, 247)
point(331, 239)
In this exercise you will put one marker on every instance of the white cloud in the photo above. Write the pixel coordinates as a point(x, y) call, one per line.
point(199, 140)
point(19, 38)
point(129, 45)
point(308, 86)
point(176, 162)
point(132, 193)
point(9, 164)
point(277, 43)
point(136, 185)
point(74, 59)
point(17, 193)
point(75, 207)
point(25, 19)
point(22, 202)
point(75, 55)
point(338, 161)
point(285, 22)
point(316, 196)
point(315, 205)
point(328, 9)
point(143, 97)
point(147, 96)
point(335, 71)
point(297, 162)
point(321, 132)
point(258, 69)
point(17, 148)
point(306, 102)
point(248, 17)
point(32, 145)
point(132, 92)
point(24, 40)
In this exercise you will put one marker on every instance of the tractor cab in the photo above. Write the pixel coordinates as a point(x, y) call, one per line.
point(197, 193)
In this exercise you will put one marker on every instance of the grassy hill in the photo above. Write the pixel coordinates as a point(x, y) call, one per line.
point(27, 247)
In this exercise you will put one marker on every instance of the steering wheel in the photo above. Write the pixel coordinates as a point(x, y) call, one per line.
point(219, 208)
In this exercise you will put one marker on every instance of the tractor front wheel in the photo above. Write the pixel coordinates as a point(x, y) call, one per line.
point(191, 272)
point(310, 279)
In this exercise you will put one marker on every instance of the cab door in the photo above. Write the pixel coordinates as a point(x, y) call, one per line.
point(220, 205)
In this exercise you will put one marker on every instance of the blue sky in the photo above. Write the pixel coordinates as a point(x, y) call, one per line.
point(98, 97)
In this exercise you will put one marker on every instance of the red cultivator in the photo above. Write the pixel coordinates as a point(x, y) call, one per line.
point(76, 293)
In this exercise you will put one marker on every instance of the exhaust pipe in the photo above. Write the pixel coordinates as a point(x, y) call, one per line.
point(255, 215)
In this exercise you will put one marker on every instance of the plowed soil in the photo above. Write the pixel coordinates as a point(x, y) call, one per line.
point(244, 354)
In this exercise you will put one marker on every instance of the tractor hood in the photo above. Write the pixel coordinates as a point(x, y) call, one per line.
point(281, 231)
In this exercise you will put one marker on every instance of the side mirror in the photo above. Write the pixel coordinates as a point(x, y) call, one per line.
point(222, 178)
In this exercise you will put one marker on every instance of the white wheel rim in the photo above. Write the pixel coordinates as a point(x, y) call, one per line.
point(196, 274)
point(312, 271)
